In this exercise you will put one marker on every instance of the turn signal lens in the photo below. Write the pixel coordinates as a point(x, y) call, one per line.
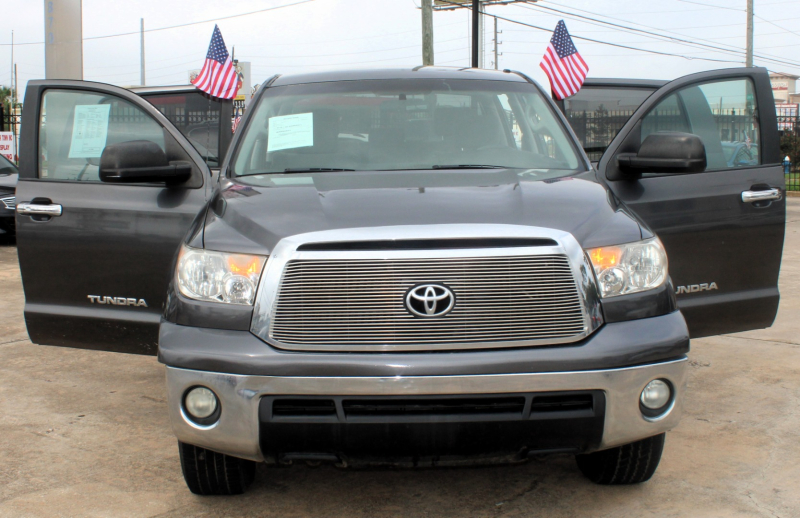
point(217, 276)
point(629, 268)
point(606, 257)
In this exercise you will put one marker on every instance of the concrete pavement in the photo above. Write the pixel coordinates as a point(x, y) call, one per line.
point(85, 433)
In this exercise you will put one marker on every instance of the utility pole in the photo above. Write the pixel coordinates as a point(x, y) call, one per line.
point(13, 93)
point(141, 44)
point(749, 51)
point(427, 33)
point(482, 39)
point(476, 26)
point(496, 55)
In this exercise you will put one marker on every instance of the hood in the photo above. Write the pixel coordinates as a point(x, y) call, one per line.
point(251, 214)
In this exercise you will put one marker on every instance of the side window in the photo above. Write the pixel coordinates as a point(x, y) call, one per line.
point(197, 116)
point(75, 127)
point(596, 114)
point(722, 113)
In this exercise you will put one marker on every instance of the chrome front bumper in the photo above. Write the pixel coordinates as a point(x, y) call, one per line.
point(237, 431)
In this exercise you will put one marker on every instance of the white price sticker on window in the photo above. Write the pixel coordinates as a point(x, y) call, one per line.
point(290, 131)
point(89, 130)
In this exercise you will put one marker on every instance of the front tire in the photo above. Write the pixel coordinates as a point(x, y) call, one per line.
point(628, 464)
point(207, 472)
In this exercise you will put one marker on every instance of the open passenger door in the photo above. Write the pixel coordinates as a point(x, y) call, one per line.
point(699, 163)
point(108, 188)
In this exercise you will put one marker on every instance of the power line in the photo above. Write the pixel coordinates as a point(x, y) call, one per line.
point(776, 25)
point(710, 5)
point(174, 26)
point(282, 56)
point(618, 45)
point(692, 44)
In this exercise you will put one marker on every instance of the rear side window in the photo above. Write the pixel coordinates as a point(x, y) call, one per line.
point(76, 126)
point(722, 113)
point(596, 114)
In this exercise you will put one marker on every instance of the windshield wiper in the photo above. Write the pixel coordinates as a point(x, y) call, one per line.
point(469, 166)
point(313, 169)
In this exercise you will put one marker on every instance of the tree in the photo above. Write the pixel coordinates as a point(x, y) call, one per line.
point(6, 94)
point(790, 146)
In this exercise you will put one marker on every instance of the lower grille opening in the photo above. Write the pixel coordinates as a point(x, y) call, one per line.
point(562, 403)
point(303, 407)
point(439, 406)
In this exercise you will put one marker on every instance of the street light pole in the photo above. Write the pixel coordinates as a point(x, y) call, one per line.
point(749, 51)
point(495, 44)
point(141, 44)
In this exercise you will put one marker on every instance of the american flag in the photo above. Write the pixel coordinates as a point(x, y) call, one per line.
point(237, 118)
point(218, 76)
point(563, 64)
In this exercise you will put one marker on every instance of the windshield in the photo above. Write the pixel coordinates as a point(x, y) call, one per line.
point(382, 125)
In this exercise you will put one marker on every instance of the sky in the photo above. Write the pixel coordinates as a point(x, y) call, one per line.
point(326, 34)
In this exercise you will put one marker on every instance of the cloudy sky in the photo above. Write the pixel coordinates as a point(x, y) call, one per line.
point(319, 34)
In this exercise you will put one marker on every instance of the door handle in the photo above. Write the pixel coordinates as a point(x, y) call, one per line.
point(767, 195)
point(34, 209)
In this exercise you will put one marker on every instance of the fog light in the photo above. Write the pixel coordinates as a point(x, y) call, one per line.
point(656, 395)
point(201, 404)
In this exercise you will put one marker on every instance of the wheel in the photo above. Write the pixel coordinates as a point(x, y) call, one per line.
point(207, 472)
point(628, 464)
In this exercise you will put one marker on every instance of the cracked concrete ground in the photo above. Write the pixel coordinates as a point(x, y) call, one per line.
point(85, 433)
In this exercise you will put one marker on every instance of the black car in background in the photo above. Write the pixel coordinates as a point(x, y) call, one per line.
point(8, 201)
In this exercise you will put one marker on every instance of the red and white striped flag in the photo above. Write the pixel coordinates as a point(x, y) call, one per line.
point(563, 64)
point(218, 76)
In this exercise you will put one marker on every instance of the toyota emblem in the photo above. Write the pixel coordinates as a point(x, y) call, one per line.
point(430, 300)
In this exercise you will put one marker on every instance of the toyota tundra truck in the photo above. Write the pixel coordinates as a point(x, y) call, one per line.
point(410, 267)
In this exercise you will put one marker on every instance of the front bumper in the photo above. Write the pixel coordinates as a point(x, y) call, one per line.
point(237, 432)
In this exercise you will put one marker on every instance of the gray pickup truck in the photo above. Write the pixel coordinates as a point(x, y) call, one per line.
point(413, 267)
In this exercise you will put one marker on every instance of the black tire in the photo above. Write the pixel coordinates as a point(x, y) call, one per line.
point(628, 464)
point(207, 472)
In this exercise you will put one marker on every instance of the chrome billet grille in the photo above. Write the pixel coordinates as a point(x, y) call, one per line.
point(361, 302)
point(10, 202)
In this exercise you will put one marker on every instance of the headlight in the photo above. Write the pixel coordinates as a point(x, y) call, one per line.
point(629, 268)
point(217, 276)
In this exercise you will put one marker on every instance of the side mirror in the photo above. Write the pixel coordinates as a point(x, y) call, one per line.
point(668, 152)
point(141, 161)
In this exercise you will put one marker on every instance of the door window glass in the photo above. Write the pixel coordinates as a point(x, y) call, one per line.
point(596, 114)
point(722, 113)
point(197, 116)
point(75, 127)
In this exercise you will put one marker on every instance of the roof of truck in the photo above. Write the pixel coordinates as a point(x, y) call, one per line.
point(399, 73)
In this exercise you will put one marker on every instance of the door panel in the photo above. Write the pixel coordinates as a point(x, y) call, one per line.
point(96, 275)
point(724, 253)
